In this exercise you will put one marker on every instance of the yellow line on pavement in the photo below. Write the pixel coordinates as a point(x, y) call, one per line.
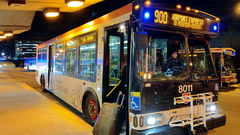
point(26, 86)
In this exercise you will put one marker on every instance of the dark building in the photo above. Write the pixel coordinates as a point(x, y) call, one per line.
point(26, 48)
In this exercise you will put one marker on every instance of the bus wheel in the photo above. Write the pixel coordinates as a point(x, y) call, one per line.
point(91, 109)
point(42, 86)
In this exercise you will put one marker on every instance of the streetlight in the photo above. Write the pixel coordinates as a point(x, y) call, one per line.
point(3, 53)
point(238, 9)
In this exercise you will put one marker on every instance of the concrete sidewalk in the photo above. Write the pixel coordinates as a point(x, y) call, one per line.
point(24, 111)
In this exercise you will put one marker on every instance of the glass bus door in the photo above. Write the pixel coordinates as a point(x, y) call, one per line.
point(50, 69)
point(114, 63)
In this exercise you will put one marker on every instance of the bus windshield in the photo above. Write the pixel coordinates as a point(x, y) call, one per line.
point(226, 63)
point(163, 59)
point(200, 60)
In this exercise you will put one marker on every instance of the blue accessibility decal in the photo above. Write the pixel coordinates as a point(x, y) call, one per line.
point(135, 103)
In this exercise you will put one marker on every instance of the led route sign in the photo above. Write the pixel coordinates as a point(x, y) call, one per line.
point(178, 20)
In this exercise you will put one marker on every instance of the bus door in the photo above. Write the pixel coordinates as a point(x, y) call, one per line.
point(115, 49)
point(50, 69)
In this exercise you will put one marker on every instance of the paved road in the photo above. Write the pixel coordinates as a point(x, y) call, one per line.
point(229, 103)
point(25, 111)
point(35, 114)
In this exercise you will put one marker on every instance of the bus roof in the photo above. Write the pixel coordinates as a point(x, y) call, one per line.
point(87, 26)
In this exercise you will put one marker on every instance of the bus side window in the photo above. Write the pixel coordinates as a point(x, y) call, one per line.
point(44, 57)
point(70, 57)
point(87, 55)
point(114, 60)
point(70, 61)
point(39, 57)
point(59, 58)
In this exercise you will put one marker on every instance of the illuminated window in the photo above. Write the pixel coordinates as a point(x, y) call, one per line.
point(114, 64)
point(59, 57)
point(42, 55)
point(87, 58)
point(70, 57)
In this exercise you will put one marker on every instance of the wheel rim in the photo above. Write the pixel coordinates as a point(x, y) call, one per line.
point(92, 109)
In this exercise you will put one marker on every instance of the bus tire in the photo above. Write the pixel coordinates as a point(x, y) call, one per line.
point(42, 84)
point(91, 108)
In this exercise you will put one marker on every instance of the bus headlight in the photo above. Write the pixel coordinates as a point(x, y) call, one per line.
point(154, 119)
point(151, 120)
point(212, 108)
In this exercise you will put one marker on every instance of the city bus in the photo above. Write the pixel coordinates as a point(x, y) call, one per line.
point(156, 45)
point(30, 63)
point(223, 58)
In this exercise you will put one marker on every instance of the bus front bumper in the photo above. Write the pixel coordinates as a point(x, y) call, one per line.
point(212, 123)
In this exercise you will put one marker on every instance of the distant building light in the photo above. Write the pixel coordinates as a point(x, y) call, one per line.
point(74, 3)
point(51, 12)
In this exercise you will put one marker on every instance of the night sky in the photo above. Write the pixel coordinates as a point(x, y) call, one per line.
point(45, 29)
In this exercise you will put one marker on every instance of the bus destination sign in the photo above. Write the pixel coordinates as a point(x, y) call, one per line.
point(173, 19)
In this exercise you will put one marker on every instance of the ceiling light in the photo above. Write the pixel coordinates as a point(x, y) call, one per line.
point(51, 12)
point(2, 36)
point(16, 3)
point(8, 33)
point(74, 3)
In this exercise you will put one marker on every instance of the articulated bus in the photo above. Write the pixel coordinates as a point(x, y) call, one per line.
point(223, 58)
point(157, 43)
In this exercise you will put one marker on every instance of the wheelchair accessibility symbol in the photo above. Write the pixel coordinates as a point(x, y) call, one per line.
point(135, 103)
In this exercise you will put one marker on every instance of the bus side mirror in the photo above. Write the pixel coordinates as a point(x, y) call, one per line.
point(141, 40)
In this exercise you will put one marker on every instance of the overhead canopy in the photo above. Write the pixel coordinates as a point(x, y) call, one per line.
point(16, 21)
point(19, 18)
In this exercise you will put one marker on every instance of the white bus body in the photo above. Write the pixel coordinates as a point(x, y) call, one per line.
point(72, 88)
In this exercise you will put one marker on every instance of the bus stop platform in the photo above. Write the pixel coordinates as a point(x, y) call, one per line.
point(25, 111)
